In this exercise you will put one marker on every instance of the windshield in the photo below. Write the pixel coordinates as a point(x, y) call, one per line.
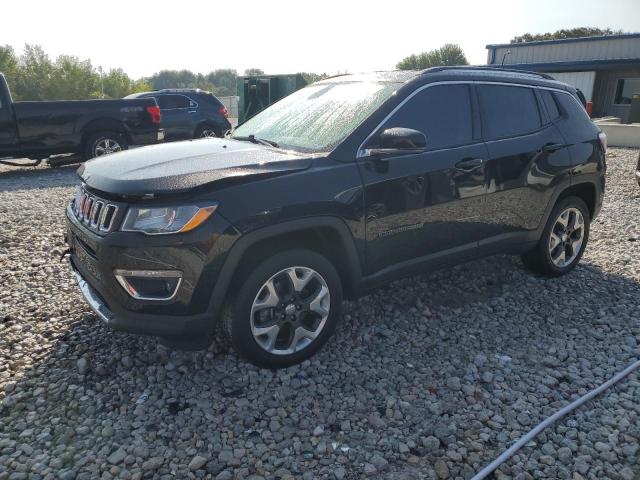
point(318, 117)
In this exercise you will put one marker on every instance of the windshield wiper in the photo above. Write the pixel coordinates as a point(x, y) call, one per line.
point(253, 139)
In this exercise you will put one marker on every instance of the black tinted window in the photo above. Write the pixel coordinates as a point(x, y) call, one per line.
point(574, 111)
point(550, 104)
point(507, 110)
point(172, 101)
point(442, 113)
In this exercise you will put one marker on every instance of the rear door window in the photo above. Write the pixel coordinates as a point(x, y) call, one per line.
point(168, 102)
point(442, 113)
point(508, 110)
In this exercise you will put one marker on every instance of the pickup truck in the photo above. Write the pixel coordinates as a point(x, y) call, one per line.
point(86, 128)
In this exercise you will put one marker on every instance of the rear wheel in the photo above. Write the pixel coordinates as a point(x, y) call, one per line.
point(104, 143)
point(286, 309)
point(207, 131)
point(563, 240)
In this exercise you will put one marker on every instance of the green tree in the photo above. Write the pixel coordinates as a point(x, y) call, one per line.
point(565, 33)
point(224, 80)
point(72, 78)
point(140, 86)
point(33, 78)
point(448, 54)
point(313, 77)
point(253, 71)
point(8, 61)
point(173, 79)
point(117, 84)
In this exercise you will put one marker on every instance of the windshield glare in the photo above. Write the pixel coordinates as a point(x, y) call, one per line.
point(318, 117)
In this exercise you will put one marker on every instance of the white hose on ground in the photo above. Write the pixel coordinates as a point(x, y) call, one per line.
point(556, 416)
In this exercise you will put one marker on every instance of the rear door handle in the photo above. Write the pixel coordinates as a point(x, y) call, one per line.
point(553, 147)
point(469, 164)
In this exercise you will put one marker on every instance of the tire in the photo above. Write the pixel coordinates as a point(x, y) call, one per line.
point(546, 259)
point(245, 314)
point(207, 131)
point(94, 142)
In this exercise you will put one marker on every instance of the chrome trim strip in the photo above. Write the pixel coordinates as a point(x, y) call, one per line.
point(95, 212)
point(157, 274)
point(92, 211)
point(96, 304)
point(107, 207)
point(363, 152)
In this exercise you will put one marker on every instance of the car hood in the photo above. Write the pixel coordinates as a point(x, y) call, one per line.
point(178, 167)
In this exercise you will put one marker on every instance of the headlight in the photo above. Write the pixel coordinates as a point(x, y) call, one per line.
point(162, 220)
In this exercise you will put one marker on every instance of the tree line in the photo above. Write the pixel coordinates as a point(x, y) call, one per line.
point(33, 75)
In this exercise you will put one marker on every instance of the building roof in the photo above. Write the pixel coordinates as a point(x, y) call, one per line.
point(565, 40)
point(577, 66)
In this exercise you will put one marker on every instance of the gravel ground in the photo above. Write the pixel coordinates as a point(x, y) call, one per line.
point(431, 377)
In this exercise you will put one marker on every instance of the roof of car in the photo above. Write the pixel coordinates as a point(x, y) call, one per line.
point(468, 72)
point(174, 90)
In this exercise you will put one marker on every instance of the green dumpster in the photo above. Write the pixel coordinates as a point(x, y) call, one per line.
point(634, 113)
point(257, 92)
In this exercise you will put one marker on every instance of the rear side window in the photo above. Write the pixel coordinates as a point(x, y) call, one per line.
point(508, 111)
point(442, 113)
point(166, 102)
point(550, 104)
point(574, 111)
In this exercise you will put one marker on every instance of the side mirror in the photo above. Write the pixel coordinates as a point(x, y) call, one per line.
point(398, 141)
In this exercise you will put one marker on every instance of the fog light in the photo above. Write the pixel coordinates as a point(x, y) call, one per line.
point(150, 284)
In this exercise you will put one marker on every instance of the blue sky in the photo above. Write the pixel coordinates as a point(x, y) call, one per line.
point(288, 36)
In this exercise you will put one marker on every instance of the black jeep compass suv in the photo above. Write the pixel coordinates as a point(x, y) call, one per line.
point(337, 188)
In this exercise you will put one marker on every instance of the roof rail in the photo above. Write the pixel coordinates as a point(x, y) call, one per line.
point(485, 68)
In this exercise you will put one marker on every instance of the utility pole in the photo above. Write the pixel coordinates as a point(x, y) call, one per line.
point(101, 81)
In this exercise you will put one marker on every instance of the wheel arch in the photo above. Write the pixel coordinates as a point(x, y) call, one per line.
point(103, 124)
point(583, 190)
point(328, 236)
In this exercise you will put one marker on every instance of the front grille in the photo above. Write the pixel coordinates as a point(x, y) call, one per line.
point(94, 213)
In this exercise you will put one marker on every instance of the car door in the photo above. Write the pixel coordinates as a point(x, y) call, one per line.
point(527, 155)
point(7, 126)
point(424, 208)
point(176, 119)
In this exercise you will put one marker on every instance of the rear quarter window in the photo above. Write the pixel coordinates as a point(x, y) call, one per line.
point(550, 104)
point(508, 110)
point(573, 111)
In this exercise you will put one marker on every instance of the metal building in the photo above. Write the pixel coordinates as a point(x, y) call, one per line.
point(605, 68)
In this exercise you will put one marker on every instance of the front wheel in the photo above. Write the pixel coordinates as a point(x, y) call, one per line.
point(286, 309)
point(563, 240)
point(104, 143)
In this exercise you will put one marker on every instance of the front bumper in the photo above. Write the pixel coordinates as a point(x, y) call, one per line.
point(189, 314)
point(93, 299)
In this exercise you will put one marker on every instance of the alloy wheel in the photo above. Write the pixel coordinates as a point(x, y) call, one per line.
point(290, 310)
point(567, 237)
point(105, 146)
point(208, 133)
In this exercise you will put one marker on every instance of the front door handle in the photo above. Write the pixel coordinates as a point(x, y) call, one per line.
point(469, 164)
